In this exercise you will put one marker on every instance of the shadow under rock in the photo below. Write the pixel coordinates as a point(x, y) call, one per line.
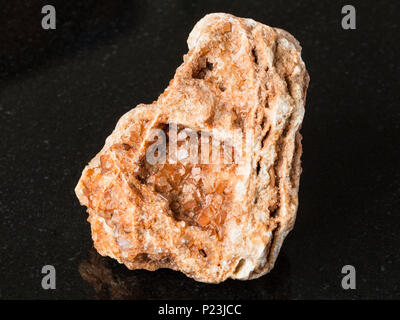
point(110, 280)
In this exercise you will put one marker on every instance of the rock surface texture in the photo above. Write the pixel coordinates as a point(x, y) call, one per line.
point(218, 220)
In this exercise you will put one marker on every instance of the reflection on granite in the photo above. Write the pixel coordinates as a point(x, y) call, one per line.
point(111, 280)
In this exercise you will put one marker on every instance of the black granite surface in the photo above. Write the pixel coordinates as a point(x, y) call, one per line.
point(62, 92)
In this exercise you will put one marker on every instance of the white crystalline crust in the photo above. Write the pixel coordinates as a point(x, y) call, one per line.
point(238, 74)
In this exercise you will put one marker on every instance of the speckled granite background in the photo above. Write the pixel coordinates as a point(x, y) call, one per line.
point(62, 91)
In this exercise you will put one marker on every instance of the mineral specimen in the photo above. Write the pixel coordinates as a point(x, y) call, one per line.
point(205, 179)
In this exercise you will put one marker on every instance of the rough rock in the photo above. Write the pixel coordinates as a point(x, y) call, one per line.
point(242, 83)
